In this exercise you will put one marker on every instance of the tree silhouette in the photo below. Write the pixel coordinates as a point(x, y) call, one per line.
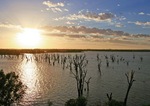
point(130, 80)
point(79, 72)
point(11, 88)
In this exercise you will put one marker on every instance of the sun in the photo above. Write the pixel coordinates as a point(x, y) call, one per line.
point(29, 38)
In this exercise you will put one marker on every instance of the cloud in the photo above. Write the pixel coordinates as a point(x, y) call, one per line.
point(89, 16)
point(119, 25)
point(70, 23)
point(84, 30)
point(141, 13)
point(148, 14)
point(55, 7)
point(56, 10)
point(92, 34)
point(141, 23)
point(66, 9)
point(10, 26)
point(118, 5)
point(121, 18)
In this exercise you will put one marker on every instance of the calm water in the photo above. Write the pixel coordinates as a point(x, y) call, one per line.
point(47, 82)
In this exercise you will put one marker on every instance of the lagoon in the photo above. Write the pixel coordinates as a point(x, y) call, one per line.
point(47, 80)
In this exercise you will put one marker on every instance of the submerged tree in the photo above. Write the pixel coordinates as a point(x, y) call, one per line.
point(99, 64)
point(113, 102)
point(50, 103)
point(79, 72)
point(87, 84)
point(11, 88)
point(130, 81)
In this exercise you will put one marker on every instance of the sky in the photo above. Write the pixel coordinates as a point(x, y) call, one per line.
point(75, 24)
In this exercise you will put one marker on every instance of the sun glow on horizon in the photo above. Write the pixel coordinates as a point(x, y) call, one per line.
point(29, 38)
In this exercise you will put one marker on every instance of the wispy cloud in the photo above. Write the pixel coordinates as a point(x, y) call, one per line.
point(66, 9)
point(141, 23)
point(118, 5)
point(141, 13)
point(119, 25)
point(55, 7)
point(50, 4)
point(89, 16)
point(145, 14)
point(11, 26)
point(92, 34)
point(92, 16)
point(70, 23)
point(121, 18)
point(148, 14)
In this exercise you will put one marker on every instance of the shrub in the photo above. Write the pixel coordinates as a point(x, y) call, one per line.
point(50, 103)
point(71, 102)
point(82, 101)
point(11, 88)
point(114, 103)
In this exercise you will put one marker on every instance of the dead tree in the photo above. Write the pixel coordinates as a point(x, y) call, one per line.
point(99, 63)
point(70, 63)
point(99, 66)
point(130, 81)
point(113, 102)
point(87, 84)
point(109, 97)
point(79, 72)
point(107, 63)
point(64, 62)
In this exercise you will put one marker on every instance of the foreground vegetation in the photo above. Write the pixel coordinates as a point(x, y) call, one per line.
point(11, 88)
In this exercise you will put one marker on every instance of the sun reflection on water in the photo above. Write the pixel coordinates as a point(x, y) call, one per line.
point(29, 76)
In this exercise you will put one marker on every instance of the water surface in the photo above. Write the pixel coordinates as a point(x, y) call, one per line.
point(51, 82)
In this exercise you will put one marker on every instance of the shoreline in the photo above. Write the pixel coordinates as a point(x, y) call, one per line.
point(34, 51)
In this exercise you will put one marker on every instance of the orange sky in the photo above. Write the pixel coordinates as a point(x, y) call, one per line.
point(74, 25)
